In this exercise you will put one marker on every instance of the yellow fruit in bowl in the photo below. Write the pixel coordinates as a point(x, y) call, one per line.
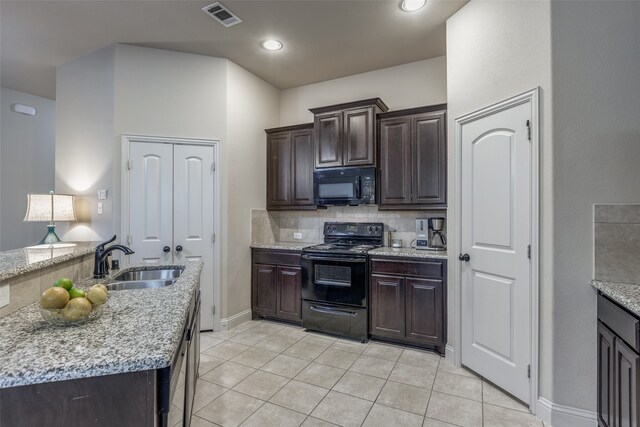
point(101, 286)
point(77, 308)
point(56, 297)
point(96, 295)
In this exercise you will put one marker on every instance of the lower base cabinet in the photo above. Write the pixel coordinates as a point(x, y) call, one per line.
point(276, 284)
point(618, 366)
point(408, 301)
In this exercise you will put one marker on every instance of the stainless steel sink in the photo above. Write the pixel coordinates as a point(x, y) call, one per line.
point(139, 284)
point(155, 274)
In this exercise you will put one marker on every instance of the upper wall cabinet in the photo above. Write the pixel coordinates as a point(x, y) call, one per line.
point(413, 158)
point(345, 134)
point(290, 168)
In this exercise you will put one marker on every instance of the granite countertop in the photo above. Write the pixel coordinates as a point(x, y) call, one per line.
point(408, 252)
point(26, 260)
point(139, 330)
point(289, 246)
point(625, 294)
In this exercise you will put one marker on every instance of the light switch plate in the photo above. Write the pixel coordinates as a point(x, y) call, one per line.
point(5, 296)
point(297, 235)
point(102, 194)
point(99, 208)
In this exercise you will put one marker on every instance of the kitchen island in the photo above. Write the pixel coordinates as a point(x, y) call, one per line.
point(122, 352)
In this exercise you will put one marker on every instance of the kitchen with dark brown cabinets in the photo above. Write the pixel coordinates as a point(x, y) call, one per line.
point(404, 295)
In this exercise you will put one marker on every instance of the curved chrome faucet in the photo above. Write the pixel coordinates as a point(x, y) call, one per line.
point(100, 267)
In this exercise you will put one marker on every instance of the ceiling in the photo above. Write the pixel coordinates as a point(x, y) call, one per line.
point(323, 39)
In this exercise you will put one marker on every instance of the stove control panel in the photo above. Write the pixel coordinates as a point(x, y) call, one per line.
point(354, 229)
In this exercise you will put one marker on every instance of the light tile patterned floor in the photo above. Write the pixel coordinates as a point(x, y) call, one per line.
point(270, 374)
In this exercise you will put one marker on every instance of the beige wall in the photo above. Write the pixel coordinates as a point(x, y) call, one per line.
point(84, 135)
point(403, 86)
point(26, 165)
point(596, 153)
point(252, 107)
point(496, 50)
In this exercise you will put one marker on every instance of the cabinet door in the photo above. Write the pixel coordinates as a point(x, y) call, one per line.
point(289, 298)
point(278, 169)
point(387, 306)
point(625, 385)
point(430, 159)
point(359, 137)
point(605, 376)
point(395, 161)
point(264, 289)
point(424, 311)
point(302, 168)
point(328, 147)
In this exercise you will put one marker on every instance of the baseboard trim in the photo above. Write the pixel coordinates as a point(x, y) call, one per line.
point(561, 415)
point(449, 353)
point(235, 320)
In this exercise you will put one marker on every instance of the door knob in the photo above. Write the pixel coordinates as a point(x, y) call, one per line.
point(166, 249)
point(178, 248)
point(464, 257)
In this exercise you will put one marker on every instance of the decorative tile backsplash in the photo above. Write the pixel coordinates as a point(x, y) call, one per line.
point(279, 226)
point(617, 243)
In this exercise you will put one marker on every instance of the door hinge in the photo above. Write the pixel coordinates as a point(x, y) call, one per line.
point(213, 167)
point(528, 371)
point(213, 237)
point(213, 310)
point(529, 251)
point(129, 239)
point(129, 164)
point(529, 130)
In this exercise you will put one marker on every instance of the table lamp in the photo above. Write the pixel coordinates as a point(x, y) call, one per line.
point(49, 208)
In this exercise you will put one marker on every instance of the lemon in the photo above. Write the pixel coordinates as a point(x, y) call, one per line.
point(64, 283)
point(56, 297)
point(77, 308)
point(96, 295)
point(76, 293)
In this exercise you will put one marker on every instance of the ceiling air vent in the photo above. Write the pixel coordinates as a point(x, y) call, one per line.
point(220, 13)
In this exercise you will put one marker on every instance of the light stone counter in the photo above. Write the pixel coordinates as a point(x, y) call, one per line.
point(21, 261)
point(408, 253)
point(140, 330)
point(289, 246)
point(625, 294)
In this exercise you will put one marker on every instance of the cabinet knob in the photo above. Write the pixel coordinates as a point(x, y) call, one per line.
point(464, 257)
point(178, 248)
point(166, 249)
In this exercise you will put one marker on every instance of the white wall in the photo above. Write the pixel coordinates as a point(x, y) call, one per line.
point(252, 107)
point(26, 165)
point(496, 50)
point(596, 153)
point(403, 86)
point(84, 150)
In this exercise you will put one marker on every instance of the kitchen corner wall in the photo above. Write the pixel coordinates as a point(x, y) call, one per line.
point(279, 226)
point(617, 243)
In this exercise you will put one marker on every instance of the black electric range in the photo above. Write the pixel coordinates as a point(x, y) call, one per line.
point(335, 279)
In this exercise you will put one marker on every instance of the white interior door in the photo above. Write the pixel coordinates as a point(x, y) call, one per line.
point(193, 216)
point(151, 202)
point(496, 233)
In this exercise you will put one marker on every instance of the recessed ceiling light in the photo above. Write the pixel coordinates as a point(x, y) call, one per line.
point(272, 45)
point(412, 5)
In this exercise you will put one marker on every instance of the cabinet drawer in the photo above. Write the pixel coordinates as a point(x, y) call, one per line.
point(408, 268)
point(619, 321)
point(276, 257)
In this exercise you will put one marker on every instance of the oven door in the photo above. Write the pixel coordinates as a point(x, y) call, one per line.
point(334, 279)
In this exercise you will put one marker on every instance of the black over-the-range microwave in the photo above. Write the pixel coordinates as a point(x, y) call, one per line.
point(344, 186)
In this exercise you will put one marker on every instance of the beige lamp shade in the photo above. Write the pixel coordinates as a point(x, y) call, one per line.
point(50, 207)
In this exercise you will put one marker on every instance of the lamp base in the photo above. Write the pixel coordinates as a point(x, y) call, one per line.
point(51, 236)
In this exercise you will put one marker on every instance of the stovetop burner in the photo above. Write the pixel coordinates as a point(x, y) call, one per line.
point(349, 238)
